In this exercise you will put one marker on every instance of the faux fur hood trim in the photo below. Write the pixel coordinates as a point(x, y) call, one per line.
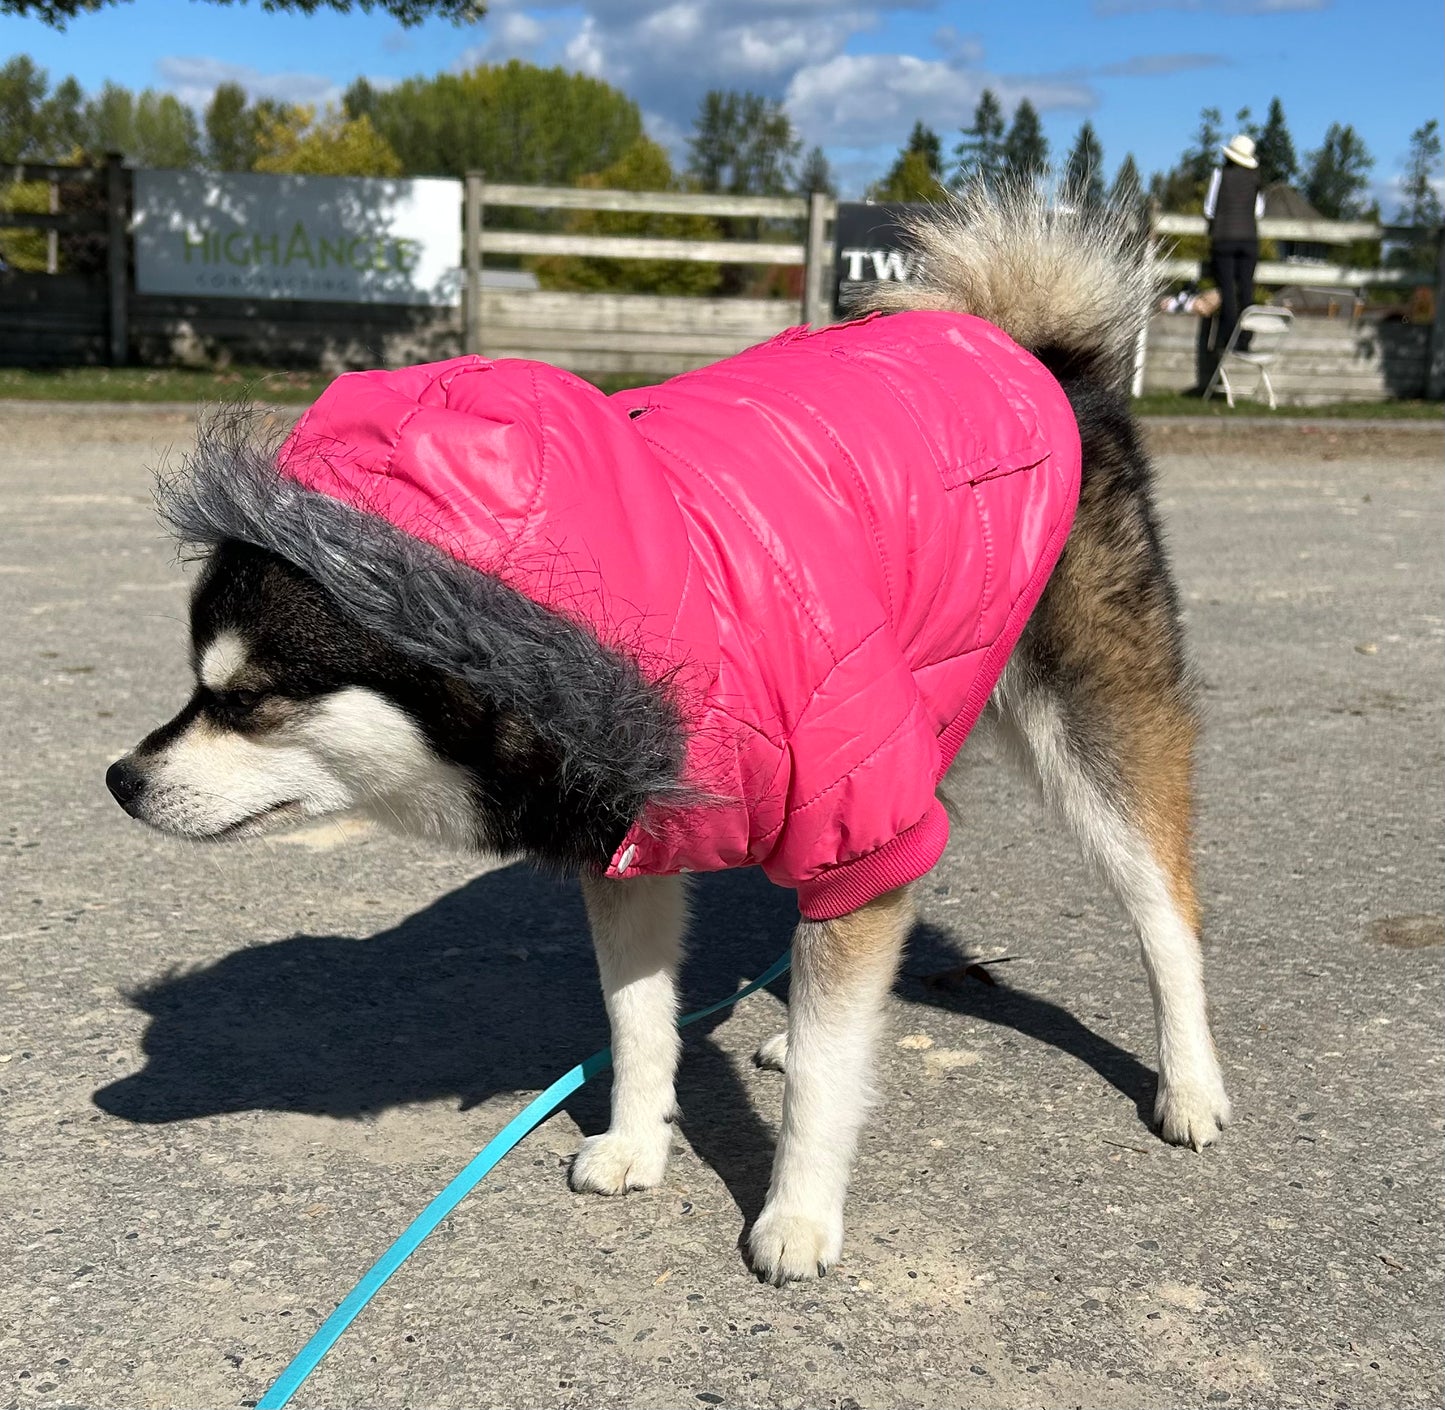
point(619, 737)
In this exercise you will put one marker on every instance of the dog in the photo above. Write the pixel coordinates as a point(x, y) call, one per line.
point(492, 700)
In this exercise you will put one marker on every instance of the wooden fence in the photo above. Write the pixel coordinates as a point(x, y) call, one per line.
point(59, 318)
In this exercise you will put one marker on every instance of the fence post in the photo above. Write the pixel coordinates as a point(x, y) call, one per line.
point(817, 302)
point(472, 228)
point(117, 257)
point(1435, 359)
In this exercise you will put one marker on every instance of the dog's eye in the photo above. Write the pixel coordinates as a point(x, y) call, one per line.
point(239, 700)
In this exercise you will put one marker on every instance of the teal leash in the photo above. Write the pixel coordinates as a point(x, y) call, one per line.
point(533, 1114)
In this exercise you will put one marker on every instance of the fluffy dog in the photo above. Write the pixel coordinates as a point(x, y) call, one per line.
point(745, 617)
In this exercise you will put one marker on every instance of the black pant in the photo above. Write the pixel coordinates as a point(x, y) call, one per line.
point(1232, 264)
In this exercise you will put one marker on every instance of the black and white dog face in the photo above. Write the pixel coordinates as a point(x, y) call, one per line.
point(299, 713)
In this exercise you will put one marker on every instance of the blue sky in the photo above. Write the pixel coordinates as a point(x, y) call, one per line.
point(855, 74)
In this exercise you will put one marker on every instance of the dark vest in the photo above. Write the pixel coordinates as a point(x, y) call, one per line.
point(1234, 205)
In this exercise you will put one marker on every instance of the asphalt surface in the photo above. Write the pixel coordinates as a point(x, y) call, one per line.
point(229, 1077)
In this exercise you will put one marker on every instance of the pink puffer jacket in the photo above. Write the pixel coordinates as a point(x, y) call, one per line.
point(826, 545)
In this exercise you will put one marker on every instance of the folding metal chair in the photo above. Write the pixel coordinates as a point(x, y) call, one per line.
point(1268, 328)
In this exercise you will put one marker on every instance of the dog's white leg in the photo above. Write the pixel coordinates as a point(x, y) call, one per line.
point(842, 970)
point(1137, 833)
point(637, 928)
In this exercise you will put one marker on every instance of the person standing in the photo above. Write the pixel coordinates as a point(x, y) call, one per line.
point(1233, 207)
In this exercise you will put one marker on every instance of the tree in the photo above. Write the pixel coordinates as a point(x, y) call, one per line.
point(1420, 201)
point(915, 174)
point(515, 122)
point(407, 12)
point(1275, 148)
point(742, 144)
point(643, 167)
point(980, 156)
point(1127, 192)
point(816, 175)
point(300, 143)
point(1338, 174)
point(149, 128)
point(1025, 148)
point(230, 130)
point(23, 87)
point(1084, 169)
point(1182, 188)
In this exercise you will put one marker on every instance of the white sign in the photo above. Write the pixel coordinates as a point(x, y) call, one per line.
point(345, 239)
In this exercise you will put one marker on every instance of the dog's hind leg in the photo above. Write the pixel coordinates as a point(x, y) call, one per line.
point(637, 929)
point(1127, 800)
point(842, 971)
point(1101, 701)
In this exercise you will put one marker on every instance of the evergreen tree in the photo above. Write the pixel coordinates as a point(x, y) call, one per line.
point(914, 175)
point(1182, 188)
point(1127, 192)
point(1419, 191)
point(1275, 148)
point(1084, 170)
point(1025, 148)
point(1420, 201)
point(23, 86)
point(816, 175)
point(1338, 174)
point(980, 156)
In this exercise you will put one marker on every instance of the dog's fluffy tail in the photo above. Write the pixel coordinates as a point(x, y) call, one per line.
point(1071, 283)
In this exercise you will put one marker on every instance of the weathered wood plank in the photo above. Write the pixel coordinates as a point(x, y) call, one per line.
point(524, 242)
point(1312, 276)
point(587, 312)
point(1318, 232)
point(65, 221)
point(648, 202)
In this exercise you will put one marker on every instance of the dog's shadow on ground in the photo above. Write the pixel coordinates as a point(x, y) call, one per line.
point(493, 989)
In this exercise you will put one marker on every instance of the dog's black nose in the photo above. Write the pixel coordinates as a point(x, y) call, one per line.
point(126, 783)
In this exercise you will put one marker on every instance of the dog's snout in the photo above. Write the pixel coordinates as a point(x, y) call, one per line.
point(126, 783)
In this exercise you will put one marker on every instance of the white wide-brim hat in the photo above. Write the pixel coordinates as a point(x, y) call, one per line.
point(1240, 150)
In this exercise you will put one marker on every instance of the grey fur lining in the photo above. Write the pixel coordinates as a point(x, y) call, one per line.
point(619, 738)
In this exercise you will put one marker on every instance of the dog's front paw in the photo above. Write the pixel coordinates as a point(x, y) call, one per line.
point(1192, 1112)
point(790, 1245)
point(618, 1161)
point(773, 1054)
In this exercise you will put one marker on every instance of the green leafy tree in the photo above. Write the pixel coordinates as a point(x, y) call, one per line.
point(643, 167)
point(742, 144)
point(300, 143)
point(37, 123)
point(408, 12)
point(231, 128)
point(1275, 148)
point(816, 175)
point(980, 155)
point(1337, 174)
point(1084, 169)
point(915, 174)
point(516, 122)
point(1025, 148)
point(149, 129)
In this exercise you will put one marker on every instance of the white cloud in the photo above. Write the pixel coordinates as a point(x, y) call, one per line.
point(194, 78)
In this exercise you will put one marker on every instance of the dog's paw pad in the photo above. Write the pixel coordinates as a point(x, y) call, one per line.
point(773, 1054)
point(789, 1246)
point(615, 1162)
point(1192, 1113)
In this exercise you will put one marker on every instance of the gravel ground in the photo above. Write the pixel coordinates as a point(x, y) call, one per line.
point(230, 1077)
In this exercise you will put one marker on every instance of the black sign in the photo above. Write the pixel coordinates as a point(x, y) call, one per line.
point(869, 245)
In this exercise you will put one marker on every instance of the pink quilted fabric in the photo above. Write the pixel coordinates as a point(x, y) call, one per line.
point(827, 545)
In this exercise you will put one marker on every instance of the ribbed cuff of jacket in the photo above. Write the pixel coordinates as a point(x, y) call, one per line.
point(910, 855)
